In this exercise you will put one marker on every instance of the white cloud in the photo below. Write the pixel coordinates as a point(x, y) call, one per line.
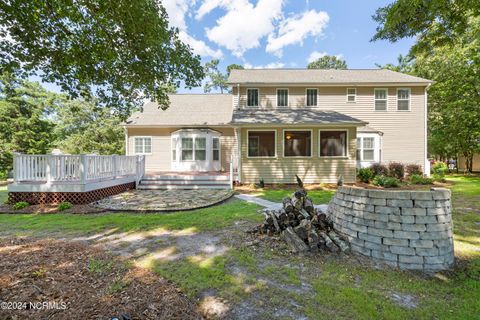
point(272, 65)
point(244, 24)
point(295, 29)
point(208, 5)
point(177, 10)
point(199, 46)
point(315, 55)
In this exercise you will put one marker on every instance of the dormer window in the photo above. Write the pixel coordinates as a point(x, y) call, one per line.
point(312, 97)
point(252, 97)
point(282, 97)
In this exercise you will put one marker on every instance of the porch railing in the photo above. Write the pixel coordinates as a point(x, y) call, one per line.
point(76, 168)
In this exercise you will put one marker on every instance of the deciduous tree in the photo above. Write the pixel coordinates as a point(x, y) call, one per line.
point(120, 51)
point(328, 62)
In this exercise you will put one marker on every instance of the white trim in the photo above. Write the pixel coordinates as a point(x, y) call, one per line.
point(376, 150)
point(354, 95)
point(275, 143)
point(311, 143)
point(409, 99)
point(375, 99)
point(347, 142)
point(126, 140)
point(135, 145)
point(172, 147)
point(306, 97)
point(246, 96)
point(276, 98)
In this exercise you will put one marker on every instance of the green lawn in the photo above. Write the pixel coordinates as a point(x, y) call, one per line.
point(200, 220)
point(3, 194)
point(276, 195)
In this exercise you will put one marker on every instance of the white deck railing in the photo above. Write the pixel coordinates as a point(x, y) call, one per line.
point(76, 168)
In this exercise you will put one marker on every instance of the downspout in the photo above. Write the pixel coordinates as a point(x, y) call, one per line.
point(426, 166)
point(238, 132)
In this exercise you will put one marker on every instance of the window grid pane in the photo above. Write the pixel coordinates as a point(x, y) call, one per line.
point(311, 97)
point(200, 143)
point(252, 97)
point(282, 98)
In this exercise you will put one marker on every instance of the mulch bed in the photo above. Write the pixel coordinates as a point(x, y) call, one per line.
point(84, 282)
point(46, 208)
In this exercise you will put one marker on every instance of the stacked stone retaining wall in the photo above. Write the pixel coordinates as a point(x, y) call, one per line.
point(405, 229)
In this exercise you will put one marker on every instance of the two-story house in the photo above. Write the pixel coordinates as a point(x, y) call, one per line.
point(276, 123)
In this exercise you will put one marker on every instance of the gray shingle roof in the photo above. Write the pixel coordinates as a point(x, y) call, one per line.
point(291, 116)
point(321, 76)
point(186, 110)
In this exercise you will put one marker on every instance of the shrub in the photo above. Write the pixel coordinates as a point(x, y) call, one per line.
point(64, 206)
point(387, 182)
point(439, 169)
point(3, 174)
point(20, 205)
point(419, 179)
point(413, 168)
point(396, 170)
point(379, 169)
point(365, 175)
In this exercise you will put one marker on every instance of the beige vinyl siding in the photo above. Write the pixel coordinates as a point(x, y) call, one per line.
point(313, 169)
point(161, 157)
point(404, 132)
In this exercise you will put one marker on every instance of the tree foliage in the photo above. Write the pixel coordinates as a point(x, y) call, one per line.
point(405, 64)
point(328, 62)
point(120, 51)
point(84, 127)
point(24, 123)
point(447, 51)
point(216, 79)
point(34, 121)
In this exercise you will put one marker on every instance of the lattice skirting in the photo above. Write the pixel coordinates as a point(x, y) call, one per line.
point(73, 197)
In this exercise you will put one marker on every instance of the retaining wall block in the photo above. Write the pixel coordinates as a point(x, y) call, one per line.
point(405, 229)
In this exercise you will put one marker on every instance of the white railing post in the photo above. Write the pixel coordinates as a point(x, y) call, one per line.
point(83, 168)
point(15, 168)
point(48, 160)
point(114, 166)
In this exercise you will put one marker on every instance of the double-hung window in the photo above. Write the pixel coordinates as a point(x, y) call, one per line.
point(381, 99)
point(282, 97)
point(201, 149)
point(261, 144)
point(143, 145)
point(252, 97)
point(403, 99)
point(333, 143)
point(312, 97)
point(351, 94)
point(366, 148)
point(187, 149)
point(216, 149)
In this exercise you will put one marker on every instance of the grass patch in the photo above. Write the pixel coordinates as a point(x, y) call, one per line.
point(276, 195)
point(99, 266)
point(200, 220)
point(3, 194)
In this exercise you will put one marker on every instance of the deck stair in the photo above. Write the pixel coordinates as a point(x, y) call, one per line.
point(184, 181)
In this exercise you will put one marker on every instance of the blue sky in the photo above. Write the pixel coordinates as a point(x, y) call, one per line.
point(282, 33)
